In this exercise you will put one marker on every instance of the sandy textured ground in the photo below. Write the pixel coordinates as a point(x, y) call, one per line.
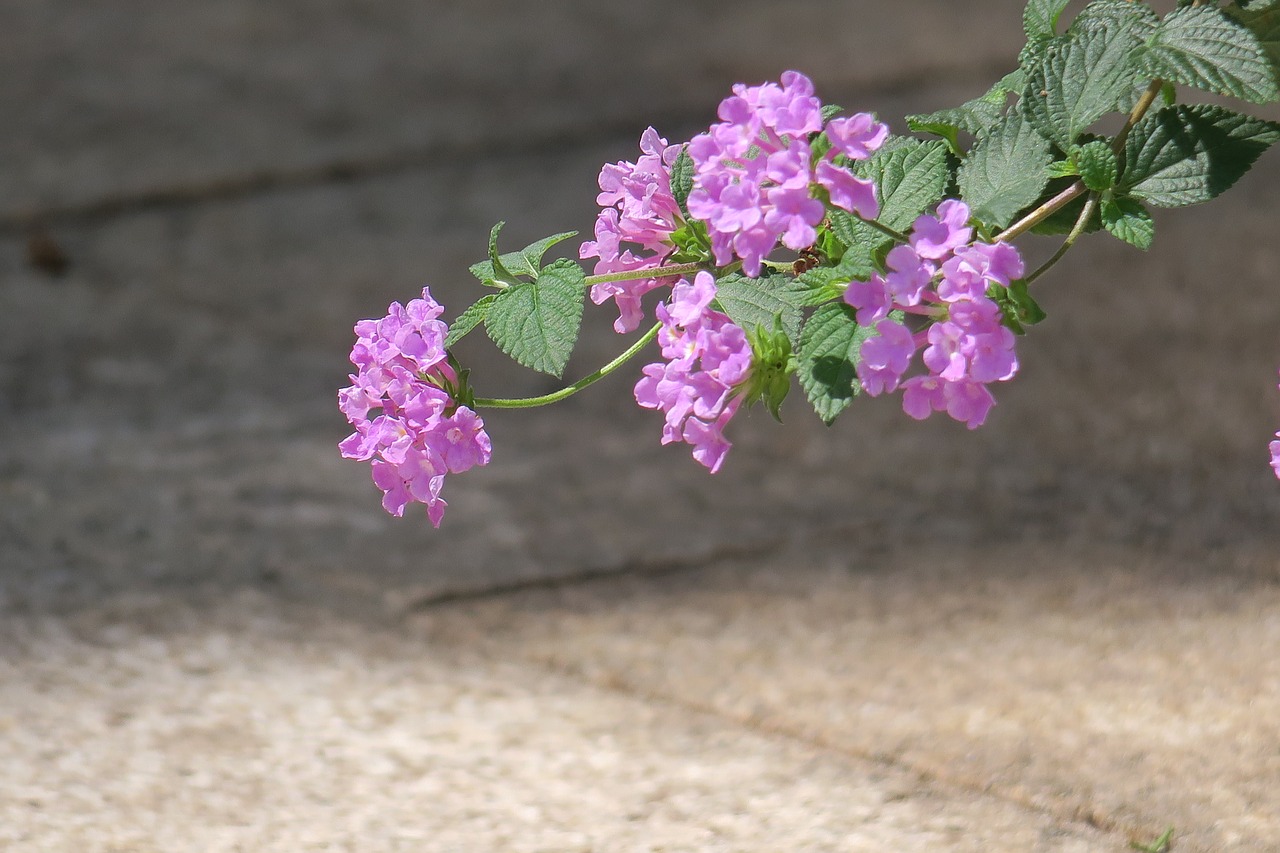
point(1056, 633)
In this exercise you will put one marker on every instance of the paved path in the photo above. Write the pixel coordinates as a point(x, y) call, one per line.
point(1056, 633)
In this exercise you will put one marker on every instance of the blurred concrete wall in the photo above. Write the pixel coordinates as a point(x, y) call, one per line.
point(232, 183)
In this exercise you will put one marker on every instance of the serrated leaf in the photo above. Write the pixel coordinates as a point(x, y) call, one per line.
point(1040, 18)
point(1137, 17)
point(830, 111)
point(856, 235)
point(525, 262)
point(1097, 165)
point(828, 356)
point(759, 302)
point(682, 179)
point(1201, 46)
point(971, 117)
point(469, 319)
point(1256, 5)
point(1265, 25)
point(1128, 220)
point(1079, 77)
point(537, 323)
point(1062, 169)
point(1005, 171)
point(909, 178)
point(1026, 309)
point(1189, 154)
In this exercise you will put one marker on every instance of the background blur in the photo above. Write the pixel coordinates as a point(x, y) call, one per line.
point(197, 201)
point(233, 184)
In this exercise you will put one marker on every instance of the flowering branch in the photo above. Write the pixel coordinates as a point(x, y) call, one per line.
point(791, 243)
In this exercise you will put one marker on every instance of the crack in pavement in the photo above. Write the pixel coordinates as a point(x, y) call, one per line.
point(768, 727)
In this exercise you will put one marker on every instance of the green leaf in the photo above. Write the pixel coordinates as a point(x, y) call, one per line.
point(856, 235)
point(497, 268)
point(1026, 309)
point(771, 367)
point(829, 352)
point(1079, 77)
point(971, 117)
point(1128, 220)
point(1097, 164)
point(1201, 46)
point(682, 179)
point(1189, 154)
point(1136, 17)
point(469, 319)
point(536, 323)
point(830, 111)
point(1006, 171)
point(525, 262)
point(1265, 25)
point(909, 179)
point(1062, 169)
point(1040, 18)
point(759, 302)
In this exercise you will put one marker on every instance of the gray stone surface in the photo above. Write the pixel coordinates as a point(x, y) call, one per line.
point(1130, 688)
point(910, 636)
point(145, 726)
point(150, 97)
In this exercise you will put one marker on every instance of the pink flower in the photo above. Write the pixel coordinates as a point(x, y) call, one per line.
point(935, 237)
point(857, 136)
point(966, 344)
point(885, 357)
point(754, 179)
point(417, 433)
point(707, 358)
point(633, 230)
point(872, 299)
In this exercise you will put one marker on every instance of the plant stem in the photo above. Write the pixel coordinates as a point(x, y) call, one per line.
point(652, 272)
point(1135, 115)
point(556, 396)
point(884, 229)
point(1090, 205)
point(1041, 213)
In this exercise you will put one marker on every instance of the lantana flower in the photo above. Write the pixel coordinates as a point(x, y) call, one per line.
point(407, 424)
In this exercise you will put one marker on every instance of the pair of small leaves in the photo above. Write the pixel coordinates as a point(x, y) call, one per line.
point(505, 270)
point(535, 322)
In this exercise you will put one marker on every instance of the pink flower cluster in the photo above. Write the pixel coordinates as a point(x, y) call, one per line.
point(417, 432)
point(639, 209)
point(941, 274)
point(754, 172)
point(707, 357)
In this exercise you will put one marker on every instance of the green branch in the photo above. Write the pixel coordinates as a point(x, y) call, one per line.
point(557, 396)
